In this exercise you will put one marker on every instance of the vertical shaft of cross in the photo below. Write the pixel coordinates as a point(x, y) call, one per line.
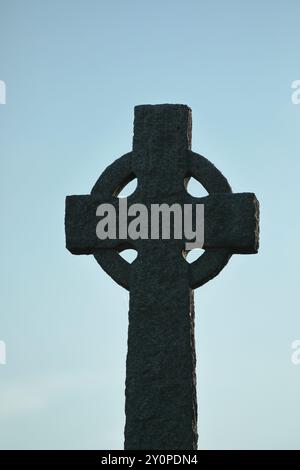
point(161, 406)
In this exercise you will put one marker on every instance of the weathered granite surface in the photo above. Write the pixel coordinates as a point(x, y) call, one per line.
point(161, 406)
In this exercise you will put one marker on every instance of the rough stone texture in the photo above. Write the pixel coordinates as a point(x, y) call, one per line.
point(161, 408)
point(233, 214)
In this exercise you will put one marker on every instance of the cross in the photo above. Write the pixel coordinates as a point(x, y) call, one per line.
point(161, 404)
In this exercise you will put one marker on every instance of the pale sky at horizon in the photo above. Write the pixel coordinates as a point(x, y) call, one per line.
point(74, 72)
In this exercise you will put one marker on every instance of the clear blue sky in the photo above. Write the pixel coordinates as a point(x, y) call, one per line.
point(74, 71)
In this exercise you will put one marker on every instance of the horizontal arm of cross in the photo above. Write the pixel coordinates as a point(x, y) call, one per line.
point(80, 225)
point(230, 221)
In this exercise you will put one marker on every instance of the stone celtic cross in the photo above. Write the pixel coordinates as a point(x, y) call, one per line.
point(161, 405)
